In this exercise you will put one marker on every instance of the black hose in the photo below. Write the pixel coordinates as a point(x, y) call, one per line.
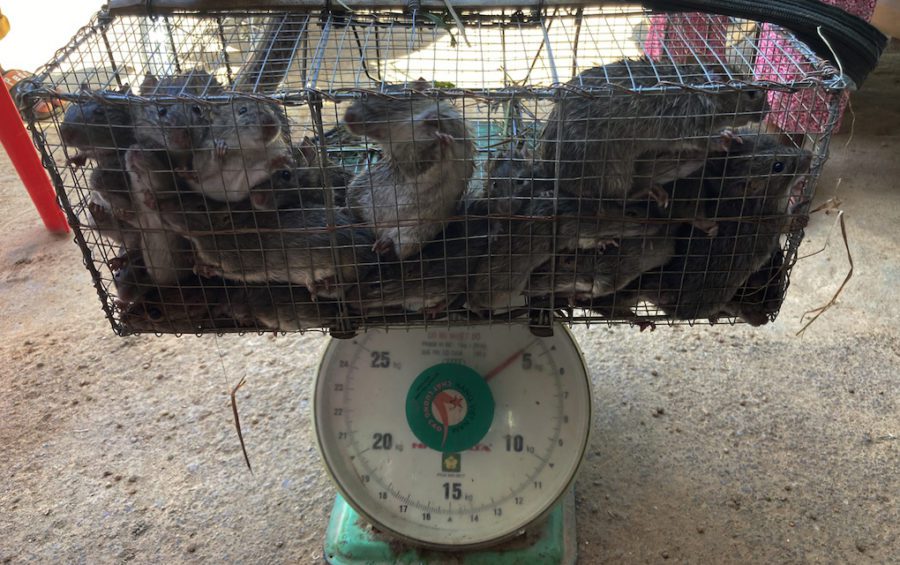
point(856, 43)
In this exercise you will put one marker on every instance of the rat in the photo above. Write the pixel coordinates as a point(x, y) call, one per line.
point(188, 308)
point(238, 243)
point(176, 125)
point(759, 298)
point(280, 308)
point(118, 226)
point(430, 281)
point(101, 131)
point(245, 142)
point(167, 256)
point(752, 182)
point(427, 160)
point(600, 138)
point(302, 185)
point(547, 225)
point(593, 273)
point(509, 175)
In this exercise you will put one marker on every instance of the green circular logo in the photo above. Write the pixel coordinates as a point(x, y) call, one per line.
point(449, 407)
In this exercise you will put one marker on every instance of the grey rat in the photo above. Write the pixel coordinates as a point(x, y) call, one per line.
point(303, 184)
point(548, 225)
point(188, 308)
point(280, 308)
point(245, 142)
point(101, 131)
point(430, 281)
point(752, 183)
point(167, 256)
point(759, 298)
point(592, 273)
point(508, 176)
point(428, 159)
point(600, 138)
point(177, 125)
point(295, 246)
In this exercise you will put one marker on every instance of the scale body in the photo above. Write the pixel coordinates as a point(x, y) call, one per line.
point(453, 444)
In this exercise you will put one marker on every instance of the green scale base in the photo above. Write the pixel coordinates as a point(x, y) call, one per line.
point(350, 540)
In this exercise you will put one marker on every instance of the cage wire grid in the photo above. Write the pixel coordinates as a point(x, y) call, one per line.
point(257, 171)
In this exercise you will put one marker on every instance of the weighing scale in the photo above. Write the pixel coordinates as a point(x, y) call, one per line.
point(453, 444)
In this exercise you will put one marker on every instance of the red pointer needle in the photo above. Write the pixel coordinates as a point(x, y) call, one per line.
point(506, 362)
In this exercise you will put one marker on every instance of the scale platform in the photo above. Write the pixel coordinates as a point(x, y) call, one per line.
point(351, 540)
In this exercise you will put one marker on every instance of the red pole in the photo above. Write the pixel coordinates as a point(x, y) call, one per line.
point(21, 152)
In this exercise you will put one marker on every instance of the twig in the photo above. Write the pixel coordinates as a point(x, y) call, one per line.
point(830, 205)
point(830, 303)
point(237, 421)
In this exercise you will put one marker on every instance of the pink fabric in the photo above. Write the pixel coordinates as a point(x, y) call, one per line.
point(686, 37)
point(692, 36)
point(805, 111)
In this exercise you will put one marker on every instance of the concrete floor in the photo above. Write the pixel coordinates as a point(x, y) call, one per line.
point(710, 445)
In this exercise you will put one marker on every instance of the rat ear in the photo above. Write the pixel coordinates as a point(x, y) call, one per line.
point(150, 83)
point(308, 151)
point(420, 84)
point(125, 89)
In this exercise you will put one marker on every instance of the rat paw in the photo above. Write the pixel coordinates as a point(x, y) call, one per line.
point(601, 246)
point(206, 271)
point(187, 174)
point(709, 226)
point(117, 263)
point(77, 160)
point(444, 139)
point(383, 246)
point(659, 195)
point(221, 147)
point(432, 312)
point(728, 137)
point(149, 200)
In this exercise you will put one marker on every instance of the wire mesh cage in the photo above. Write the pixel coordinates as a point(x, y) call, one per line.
point(260, 170)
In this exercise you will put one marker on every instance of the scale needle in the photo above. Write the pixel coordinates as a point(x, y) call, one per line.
point(507, 362)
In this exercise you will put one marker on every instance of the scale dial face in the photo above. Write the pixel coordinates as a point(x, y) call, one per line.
point(453, 437)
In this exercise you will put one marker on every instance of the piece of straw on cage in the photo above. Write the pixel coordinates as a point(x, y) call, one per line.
point(233, 171)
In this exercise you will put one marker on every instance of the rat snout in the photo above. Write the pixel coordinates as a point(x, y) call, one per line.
point(353, 120)
point(178, 138)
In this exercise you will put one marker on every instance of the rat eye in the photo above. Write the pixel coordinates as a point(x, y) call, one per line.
point(777, 167)
point(520, 182)
point(285, 174)
point(242, 110)
point(196, 110)
point(162, 112)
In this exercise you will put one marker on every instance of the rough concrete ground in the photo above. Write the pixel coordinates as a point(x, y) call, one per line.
point(711, 444)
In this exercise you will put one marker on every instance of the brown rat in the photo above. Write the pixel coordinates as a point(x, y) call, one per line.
point(428, 159)
point(599, 138)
